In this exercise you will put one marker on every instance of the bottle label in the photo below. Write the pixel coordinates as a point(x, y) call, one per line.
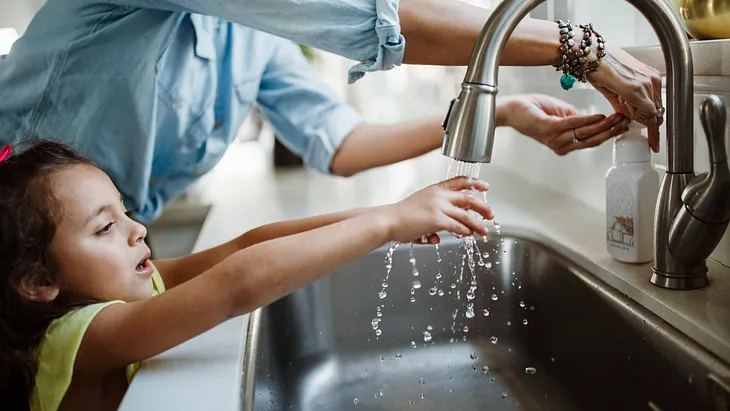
point(621, 233)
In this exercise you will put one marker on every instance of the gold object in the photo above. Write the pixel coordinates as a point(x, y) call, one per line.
point(705, 19)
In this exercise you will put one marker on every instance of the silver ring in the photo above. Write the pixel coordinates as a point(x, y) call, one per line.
point(660, 111)
point(575, 138)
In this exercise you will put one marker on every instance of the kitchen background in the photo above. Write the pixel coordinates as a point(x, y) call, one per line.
point(411, 91)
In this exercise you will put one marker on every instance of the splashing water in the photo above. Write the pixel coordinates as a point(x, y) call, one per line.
point(382, 294)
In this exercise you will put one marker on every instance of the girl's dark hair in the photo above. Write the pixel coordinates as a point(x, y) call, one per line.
point(28, 218)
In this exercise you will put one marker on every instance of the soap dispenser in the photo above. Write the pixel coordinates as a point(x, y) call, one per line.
point(632, 187)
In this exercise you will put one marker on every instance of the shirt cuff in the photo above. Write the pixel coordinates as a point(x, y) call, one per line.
point(391, 43)
point(330, 136)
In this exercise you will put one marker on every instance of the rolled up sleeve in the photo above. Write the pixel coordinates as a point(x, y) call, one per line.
point(367, 31)
point(310, 118)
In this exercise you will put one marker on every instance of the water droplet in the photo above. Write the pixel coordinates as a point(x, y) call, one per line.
point(473, 356)
point(382, 294)
point(422, 396)
point(422, 381)
point(381, 358)
point(474, 367)
point(410, 402)
point(492, 380)
point(504, 395)
point(493, 340)
point(495, 297)
point(524, 322)
point(453, 286)
point(470, 294)
point(485, 255)
point(552, 359)
point(427, 336)
point(356, 401)
point(485, 312)
point(413, 344)
point(441, 293)
point(485, 370)
point(398, 355)
point(379, 314)
point(532, 308)
point(378, 332)
point(466, 328)
point(380, 393)
point(429, 328)
point(463, 338)
point(530, 370)
point(509, 323)
point(416, 284)
point(433, 290)
point(488, 264)
point(522, 304)
point(413, 299)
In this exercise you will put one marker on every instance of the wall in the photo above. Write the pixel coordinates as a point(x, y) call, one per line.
point(18, 13)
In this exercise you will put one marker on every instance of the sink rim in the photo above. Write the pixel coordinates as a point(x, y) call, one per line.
point(583, 268)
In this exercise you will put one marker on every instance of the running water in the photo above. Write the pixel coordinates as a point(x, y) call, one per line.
point(382, 294)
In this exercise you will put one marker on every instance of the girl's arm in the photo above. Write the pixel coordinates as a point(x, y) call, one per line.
point(176, 271)
point(123, 334)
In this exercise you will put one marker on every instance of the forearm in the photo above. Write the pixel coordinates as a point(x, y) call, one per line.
point(441, 32)
point(179, 270)
point(375, 145)
point(265, 272)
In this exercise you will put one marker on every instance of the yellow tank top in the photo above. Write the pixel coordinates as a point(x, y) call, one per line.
point(57, 352)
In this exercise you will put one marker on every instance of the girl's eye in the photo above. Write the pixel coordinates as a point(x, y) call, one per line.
point(107, 228)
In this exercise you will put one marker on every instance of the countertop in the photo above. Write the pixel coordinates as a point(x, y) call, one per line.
point(205, 372)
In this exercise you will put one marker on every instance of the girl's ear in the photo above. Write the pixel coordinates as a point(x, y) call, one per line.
point(35, 292)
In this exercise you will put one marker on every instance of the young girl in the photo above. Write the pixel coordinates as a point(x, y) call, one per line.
point(81, 304)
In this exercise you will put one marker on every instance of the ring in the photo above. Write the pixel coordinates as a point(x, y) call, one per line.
point(660, 112)
point(575, 138)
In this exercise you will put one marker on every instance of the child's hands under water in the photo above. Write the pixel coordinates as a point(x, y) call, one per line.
point(442, 206)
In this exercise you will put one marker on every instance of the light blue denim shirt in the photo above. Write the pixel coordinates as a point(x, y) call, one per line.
point(154, 91)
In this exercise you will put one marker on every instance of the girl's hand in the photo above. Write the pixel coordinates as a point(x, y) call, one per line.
point(632, 88)
point(442, 206)
point(553, 122)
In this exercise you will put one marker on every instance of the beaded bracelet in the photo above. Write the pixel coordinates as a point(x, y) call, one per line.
point(575, 64)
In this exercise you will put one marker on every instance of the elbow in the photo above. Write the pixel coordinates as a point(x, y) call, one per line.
point(340, 167)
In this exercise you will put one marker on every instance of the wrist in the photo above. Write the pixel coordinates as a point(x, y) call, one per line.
point(503, 110)
point(381, 219)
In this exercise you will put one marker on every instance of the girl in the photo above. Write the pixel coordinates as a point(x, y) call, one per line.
point(81, 304)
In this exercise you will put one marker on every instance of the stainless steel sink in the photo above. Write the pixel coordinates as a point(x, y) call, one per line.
point(583, 347)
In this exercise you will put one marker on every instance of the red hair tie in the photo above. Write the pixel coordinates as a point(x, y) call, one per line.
point(5, 152)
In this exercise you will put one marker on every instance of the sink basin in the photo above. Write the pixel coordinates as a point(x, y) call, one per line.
point(556, 338)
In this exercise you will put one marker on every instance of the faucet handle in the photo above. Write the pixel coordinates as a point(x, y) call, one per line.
point(714, 118)
point(702, 220)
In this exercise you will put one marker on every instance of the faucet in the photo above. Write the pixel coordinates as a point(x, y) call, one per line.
point(692, 212)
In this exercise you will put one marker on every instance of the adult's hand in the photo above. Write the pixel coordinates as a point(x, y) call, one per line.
point(557, 124)
point(632, 88)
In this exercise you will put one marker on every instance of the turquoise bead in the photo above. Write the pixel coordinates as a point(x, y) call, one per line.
point(567, 81)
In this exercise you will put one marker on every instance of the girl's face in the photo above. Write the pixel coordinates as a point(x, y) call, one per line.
point(101, 251)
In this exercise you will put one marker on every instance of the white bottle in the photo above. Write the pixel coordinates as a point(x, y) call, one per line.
point(632, 187)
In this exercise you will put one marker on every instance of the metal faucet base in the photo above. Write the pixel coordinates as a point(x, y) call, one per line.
point(682, 282)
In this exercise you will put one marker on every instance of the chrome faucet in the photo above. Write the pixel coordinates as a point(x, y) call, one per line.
point(689, 222)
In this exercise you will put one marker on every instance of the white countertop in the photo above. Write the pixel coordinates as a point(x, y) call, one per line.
point(205, 373)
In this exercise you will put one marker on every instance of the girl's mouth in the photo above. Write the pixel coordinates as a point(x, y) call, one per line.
point(144, 268)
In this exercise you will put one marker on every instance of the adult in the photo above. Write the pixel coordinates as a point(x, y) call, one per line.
point(154, 91)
